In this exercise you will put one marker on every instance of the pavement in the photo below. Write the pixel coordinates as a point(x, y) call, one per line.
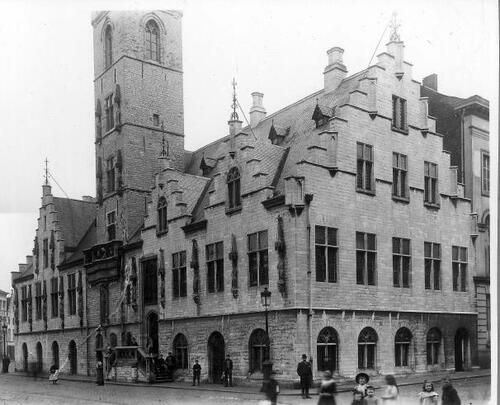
point(250, 387)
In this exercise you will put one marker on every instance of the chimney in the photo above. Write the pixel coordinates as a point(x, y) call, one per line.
point(431, 82)
point(29, 260)
point(257, 111)
point(234, 126)
point(46, 190)
point(336, 71)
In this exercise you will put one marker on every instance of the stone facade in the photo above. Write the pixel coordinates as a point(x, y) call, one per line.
point(196, 237)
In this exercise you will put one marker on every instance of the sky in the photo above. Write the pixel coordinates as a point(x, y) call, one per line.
point(275, 47)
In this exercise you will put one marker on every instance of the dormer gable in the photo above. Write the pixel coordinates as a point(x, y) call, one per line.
point(322, 114)
point(277, 134)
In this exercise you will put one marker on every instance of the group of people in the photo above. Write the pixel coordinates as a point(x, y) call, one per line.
point(165, 365)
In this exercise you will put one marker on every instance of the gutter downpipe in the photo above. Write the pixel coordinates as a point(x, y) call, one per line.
point(308, 199)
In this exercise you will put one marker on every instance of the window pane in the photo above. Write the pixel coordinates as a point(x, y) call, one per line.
point(359, 178)
point(371, 268)
point(219, 250)
point(332, 236)
point(368, 154)
point(252, 242)
point(437, 275)
point(463, 254)
point(263, 240)
point(463, 275)
point(406, 246)
point(320, 234)
point(406, 272)
point(395, 182)
point(398, 355)
point(370, 356)
point(369, 174)
point(454, 253)
point(263, 273)
point(436, 250)
point(210, 276)
point(360, 151)
point(320, 263)
point(371, 241)
point(361, 356)
point(428, 269)
point(360, 267)
point(252, 265)
point(396, 245)
point(427, 249)
point(360, 240)
point(395, 270)
point(332, 265)
point(455, 276)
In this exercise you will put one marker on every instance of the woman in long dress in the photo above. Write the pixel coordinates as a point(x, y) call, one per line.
point(391, 392)
point(327, 390)
point(53, 374)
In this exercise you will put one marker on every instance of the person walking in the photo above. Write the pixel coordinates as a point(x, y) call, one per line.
point(228, 371)
point(304, 370)
point(53, 374)
point(327, 390)
point(391, 392)
point(196, 372)
point(428, 396)
point(99, 372)
point(170, 361)
point(450, 395)
point(271, 389)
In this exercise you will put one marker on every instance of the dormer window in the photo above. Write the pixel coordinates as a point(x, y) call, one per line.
point(152, 41)
point(108, 47)
point(233, 188)
point(277, 134)
point(322, 115)
point(162, 215)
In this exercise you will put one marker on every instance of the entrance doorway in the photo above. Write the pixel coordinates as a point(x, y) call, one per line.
point(216, 355)
point(25, 357)
point(73, 358)
point(152, 324)
point(55, 354)
point(39, 357)
point(461, 349)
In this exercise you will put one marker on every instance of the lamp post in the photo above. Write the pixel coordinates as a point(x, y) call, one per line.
point(5, 359)
point(267, 365)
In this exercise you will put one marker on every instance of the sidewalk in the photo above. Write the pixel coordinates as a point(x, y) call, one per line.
point(345, 385)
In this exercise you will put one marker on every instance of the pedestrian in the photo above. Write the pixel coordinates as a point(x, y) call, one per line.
point(357, 398)
point(271, 389)
point(53, 374)
point(170, 361)
point(450, 395)
point(99, 372)
point(327, 389)
point(304, 370)
point(196, 372)
point(370, 398)
point(428, 396)
point(391, 392)
point(362, 381)
point(228, 371)
point(161, 365)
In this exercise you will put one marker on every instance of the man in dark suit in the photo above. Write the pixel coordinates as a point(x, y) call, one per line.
point(304, 370)
point(228, 371)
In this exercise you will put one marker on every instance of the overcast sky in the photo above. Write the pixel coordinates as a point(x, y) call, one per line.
point(276, 47)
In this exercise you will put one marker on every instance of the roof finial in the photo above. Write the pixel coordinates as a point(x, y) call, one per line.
point(234, 114)
point(394, 28)
point(164, 152)
point(46, 172)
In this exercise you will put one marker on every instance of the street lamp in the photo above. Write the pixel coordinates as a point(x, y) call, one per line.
point(267, 365)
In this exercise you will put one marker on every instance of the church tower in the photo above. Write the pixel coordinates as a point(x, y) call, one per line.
point(138, 82)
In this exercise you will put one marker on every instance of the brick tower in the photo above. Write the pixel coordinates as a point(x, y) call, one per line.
point(138, 83)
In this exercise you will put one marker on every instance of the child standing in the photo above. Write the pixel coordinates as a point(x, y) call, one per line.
point(450, 395)
point(391, 393)
point(370, 398)
point(428, 396)
point(362, 380)
point(357, 398)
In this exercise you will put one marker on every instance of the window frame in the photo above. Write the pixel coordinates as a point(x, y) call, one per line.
point(152, 48)
point(214, 254)
point(181, 351)
point(431, 262)
point(330, 275)
point(110, 174)
point(161, 212)
point(402, 348)
point(108, 46)
point(400, 188)
point(24, 303)
point(54, 297)
point(72, 294)
point(111, 225)
point(179, 283)
point(109, 110)
point(398, 256)
point(433, 347)
point(365, 164)
point(327, 339)
point(399, 122)
point(431, 184)
point(364, 348)
point(38, 300)
point(258, 257)
point(485, 173)
point(233, 181)
point(45, 252)
point(366, 254)
point(459, 268)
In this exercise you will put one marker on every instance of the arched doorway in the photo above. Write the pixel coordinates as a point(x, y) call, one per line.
point(327, 350)
point(152, 324)
point(216, 355)
point(55, 354)
point(39, 357)
point(25, 357)
point(461, 349)
point(73, 359)
point(259, 349)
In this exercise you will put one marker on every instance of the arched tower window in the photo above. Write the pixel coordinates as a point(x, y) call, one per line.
point(402, 347)
point(181, 351)
point(233, 188)
point(327, 350)
point(108, 47)
point(367, 348)
point(162, 214)
point(152, 41)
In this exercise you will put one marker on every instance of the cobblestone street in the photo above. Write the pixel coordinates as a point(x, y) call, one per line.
point(15, 389)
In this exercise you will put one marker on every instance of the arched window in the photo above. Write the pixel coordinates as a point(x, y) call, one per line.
point(367, 348)
point(181, 351)
point(108, 47)
point(113, 340)
point(152, 41)
point(327, 350)
point(433, 346)
point(55, 354)
point(39, 357)
point(162, 214)
point(259, 349)
point(233, 188)
point(25, 357)
point(402, 347)
point(73, 357)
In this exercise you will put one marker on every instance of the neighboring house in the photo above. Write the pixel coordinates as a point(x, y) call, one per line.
point(344, 206)
point(464, 124)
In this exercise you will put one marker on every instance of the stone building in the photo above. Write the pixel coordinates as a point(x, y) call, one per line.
point(464, 124)
point(343, 205)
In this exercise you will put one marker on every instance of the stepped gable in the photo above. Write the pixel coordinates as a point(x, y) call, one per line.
point(75, 217)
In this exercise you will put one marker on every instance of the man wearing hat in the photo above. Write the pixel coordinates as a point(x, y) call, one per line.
point(362, 381)
point(304, 371)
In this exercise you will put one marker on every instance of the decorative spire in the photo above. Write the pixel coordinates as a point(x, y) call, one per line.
point(394, 28)
point(46, 172)
point(234, 114)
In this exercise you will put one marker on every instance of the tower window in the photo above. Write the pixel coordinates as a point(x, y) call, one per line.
point(152, 41)
point(108, 47)
point(109, 110)
point(233, 188)
point(111, 225)
point(110, 172)
point(485, 173)
point(399, 120)
point(162, 215)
